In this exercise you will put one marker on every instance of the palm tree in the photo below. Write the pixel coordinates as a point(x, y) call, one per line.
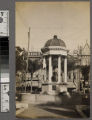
point(20, 59)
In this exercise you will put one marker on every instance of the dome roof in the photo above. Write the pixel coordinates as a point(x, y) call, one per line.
point(55, 42)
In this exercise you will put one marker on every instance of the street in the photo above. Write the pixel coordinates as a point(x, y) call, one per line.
point(49, 111)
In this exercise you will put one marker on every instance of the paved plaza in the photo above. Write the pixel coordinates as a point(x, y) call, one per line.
point(49, 111)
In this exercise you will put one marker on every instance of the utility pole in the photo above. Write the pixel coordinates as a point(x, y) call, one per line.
point(27, 54)
point(28, 48)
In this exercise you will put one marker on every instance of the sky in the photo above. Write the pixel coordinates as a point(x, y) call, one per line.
point(70, 21)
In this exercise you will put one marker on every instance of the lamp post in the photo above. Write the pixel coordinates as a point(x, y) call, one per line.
point(28, 57)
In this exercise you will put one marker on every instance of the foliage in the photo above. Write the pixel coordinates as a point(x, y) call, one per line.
point(33, 66)
point(71, 65)
point(85, 72)
point(20, 59)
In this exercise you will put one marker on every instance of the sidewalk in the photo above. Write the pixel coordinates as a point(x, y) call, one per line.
point(36, 112)
point(45, 111)
point(20, 107)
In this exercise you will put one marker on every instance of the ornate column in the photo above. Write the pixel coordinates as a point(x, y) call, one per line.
point(65, 70)
point(72, 75)
point(50, 68)
point(44, 62)
point(44, 67)
point(59, 69)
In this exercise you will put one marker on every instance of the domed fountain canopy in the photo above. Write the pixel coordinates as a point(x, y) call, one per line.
point(55, 42)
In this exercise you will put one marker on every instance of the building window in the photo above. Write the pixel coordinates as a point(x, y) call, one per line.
point(53, 87)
